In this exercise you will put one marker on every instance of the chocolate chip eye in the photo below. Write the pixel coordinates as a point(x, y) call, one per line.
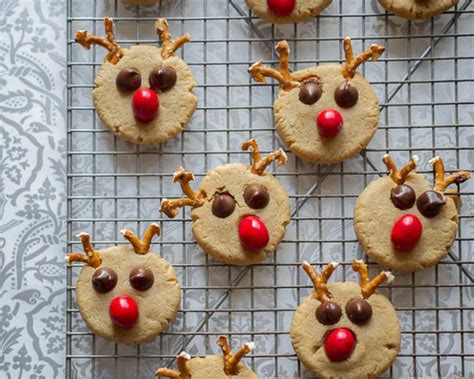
point(256, 196)
point(403, 196)
point(328, 313)
point(223, 205)
point(141, 278)
point(128, 79)
point(162, 78)
point(359, 311)
point(104, 279)
point(430, 203)
point(346, 95)
point(310, 91)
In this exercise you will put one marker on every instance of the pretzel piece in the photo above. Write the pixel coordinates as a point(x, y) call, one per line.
point(168, 46)
point(259, 164)
point(108, 42)
point(349, 70)
point(399, 177)
point(441, 181)
point(321, 291)
point(368, 287)
point(183, 371)
point(142, 246)
point(92, 257)
point(231, 361)
point(258, 71)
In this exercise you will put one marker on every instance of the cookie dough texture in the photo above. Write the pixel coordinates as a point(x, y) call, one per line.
point(296, 122)
point(114, 108)
point(212, 366)
point(219, 237)
point(375, 215)
point(157, 306)
point(303, 10)
point(378, 341)
point(417, 9)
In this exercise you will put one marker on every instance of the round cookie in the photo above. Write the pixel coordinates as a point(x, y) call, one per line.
point(120, 277)
point(417, 9)
point(212, 366)
point(300, 11)
point(240, 212)
point(327, 113)
point(143, 94)
point(377, 214)
point(364, 320)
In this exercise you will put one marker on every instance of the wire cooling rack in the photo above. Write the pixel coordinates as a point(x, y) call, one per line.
point(425, 85)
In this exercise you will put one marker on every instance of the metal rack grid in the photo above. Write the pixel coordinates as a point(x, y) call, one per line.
point(425, 87)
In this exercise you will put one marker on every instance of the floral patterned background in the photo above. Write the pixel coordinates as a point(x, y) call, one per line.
point(32, 188)
point(120, 185)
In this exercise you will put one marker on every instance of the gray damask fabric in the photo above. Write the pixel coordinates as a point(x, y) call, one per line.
point(32, 188)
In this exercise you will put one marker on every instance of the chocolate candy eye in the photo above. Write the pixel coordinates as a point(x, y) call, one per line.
point(162, 78)
point(359, 311)
point(346, 95)
point(104, 279)
point(403, 196)
point(128, 79)
point(141, 278)
point(256, 196)
point(310, 91)
point(430, 203)
point(223, 205)
point(328, 313)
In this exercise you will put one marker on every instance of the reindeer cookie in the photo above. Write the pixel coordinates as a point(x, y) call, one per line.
point(404, 224)
point(126, 294)
point(417, 9)
point(287, 11)
point(142, 94)
point(346, 330)
point(212, 366)
point(327, 113)
point(239, 212)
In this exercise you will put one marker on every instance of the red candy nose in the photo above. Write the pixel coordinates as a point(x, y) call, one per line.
point(123, 311)
point(145, 104)
point(406, 232)
point(281, 8)
point(329, 123)
point(253, 233)
point(339, 344)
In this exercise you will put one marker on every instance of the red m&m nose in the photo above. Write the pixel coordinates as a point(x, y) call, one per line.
point(329, 123)
point(406, 232)
point(339, 344)
point(145, 104)
point(253, 233)
point(123, 311)
point(281, 8)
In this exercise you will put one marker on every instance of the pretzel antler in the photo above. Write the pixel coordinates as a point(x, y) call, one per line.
point(91, 258)
point(399, 177)
point(283, 76)
point(258, 163)
point(369, 287)
point(193, 199)
point(168, 46)
point(183, 372)
point(373, 52)
point(142, 246)
point(321, 291)
point(441, 181)
point(108, 42)
point(232, 360)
